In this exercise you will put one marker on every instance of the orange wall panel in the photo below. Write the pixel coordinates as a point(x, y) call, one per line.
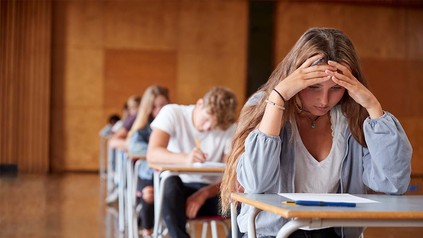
point(130, 72)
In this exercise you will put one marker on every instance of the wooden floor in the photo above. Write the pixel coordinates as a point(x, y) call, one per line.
point(72, 205)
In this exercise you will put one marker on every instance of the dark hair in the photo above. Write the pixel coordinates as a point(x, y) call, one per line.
point(114, 118)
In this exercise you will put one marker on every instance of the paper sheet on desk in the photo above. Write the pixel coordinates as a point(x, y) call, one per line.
point(209, 165)
point(327, 197)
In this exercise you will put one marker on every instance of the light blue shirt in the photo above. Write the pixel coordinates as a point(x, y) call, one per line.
point(267, 166)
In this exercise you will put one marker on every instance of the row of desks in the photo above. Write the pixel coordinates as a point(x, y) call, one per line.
point(390, 211)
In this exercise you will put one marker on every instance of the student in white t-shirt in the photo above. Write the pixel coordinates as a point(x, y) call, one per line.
point(177, 130)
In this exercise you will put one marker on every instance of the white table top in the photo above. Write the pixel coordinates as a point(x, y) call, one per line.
point(388, 207)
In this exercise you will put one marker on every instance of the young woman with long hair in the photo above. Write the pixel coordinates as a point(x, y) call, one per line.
point(315, 127)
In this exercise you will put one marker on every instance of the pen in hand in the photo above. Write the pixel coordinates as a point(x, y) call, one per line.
point(197, 153)
point(197, 144)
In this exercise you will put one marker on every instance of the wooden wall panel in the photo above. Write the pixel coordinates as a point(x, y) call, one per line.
point(148, 25)
point(77, 84)
point(130, 72)
point(389, 41)
point(383, 76)
point(212, 48)
point(25, 84)
point(104, 51)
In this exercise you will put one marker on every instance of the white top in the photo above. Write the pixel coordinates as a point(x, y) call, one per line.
point(176, 120)
point(116, 127)
point(312, 176)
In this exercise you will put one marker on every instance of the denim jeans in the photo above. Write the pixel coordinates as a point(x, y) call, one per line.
point(175, 195)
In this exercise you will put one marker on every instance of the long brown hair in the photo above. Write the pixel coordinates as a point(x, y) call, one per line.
point(331, 43)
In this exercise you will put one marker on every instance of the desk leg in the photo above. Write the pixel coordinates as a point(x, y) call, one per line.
point(111, 157)
point(121, 190)
point(130, 196)
point(252, 222)
point(156, 202)
point(292, 226)
point(161, 180)
point(234, 225)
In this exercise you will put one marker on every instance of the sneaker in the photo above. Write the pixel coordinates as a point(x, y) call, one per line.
point(146, 233)
point(113, 197)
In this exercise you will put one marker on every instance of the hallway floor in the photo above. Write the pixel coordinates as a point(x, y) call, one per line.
point(72, 205)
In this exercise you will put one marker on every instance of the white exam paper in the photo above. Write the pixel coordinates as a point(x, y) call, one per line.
point(209, 164)
point(326, 197)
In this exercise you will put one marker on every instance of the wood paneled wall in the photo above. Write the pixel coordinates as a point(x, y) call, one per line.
point(389, 41)
point(106, 51)
point(25, 37)
point(204, 43)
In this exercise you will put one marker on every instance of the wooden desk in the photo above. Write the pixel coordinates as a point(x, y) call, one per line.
point(391, 211)
point(161, 173)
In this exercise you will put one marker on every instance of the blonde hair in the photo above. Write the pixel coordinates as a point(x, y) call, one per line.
point(221, 103)
point(331, 43)
point(146, 107)
point(133, 101)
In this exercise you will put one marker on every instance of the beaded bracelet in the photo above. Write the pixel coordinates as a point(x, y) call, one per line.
point(274, 104)
point(280, 95)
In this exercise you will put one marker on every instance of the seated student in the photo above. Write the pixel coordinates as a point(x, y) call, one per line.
point(315, 127)
point(173, 140)
point(118, 139)
point(107, 129)
point(119, 124)
point(154, 98)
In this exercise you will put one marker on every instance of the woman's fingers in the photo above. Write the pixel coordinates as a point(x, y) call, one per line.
point(310, 61)
point(342, 68)
point(344, 79)
point(316, 74)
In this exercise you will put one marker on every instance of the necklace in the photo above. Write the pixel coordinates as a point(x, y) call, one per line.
point(313, 121)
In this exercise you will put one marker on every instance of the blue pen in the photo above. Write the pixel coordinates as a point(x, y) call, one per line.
point(322, 203)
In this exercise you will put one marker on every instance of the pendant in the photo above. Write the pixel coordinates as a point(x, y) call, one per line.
point(313, 122)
